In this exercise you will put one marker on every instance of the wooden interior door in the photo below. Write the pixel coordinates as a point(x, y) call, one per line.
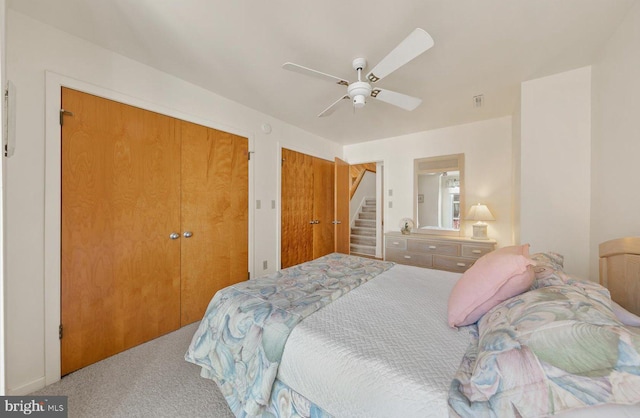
point(215, 190)
point(342, 198)
point(120, 272)
point(323, 207)
point(297, 197)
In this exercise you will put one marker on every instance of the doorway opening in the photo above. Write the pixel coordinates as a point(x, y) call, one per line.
point(366, 209)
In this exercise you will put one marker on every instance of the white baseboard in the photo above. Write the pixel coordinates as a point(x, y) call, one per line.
point(27, 389)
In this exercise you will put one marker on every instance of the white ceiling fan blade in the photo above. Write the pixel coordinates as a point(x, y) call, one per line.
point(397, 99)
point(308, 71)
point(332, 107)
point(412, 46)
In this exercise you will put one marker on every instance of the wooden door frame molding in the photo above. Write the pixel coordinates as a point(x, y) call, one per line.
point(52, 198)
point(342, 203)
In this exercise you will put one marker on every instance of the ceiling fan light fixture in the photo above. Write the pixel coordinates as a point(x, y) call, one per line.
point(358, 101)
point(358, 91)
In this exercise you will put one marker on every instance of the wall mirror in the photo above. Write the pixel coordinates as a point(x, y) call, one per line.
point(438, 194)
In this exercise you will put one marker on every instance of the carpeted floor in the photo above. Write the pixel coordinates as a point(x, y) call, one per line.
point(151, 380)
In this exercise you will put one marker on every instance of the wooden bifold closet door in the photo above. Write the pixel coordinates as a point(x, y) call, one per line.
point(215, 201)
point(307, 214)
point(297, 208)
point(130, 179)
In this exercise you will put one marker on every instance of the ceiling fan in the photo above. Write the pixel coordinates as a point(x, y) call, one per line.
point(413, 45)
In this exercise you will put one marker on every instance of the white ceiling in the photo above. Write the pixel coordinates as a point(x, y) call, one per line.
point(236, 48)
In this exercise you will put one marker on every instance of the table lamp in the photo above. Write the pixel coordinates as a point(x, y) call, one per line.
point(480, 213)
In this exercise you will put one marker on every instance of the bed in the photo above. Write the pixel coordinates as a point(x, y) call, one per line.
point(355, 337)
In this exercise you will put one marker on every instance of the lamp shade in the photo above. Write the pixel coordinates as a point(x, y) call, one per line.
point(480, 212)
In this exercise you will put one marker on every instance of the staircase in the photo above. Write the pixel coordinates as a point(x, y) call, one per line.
point(363, 232)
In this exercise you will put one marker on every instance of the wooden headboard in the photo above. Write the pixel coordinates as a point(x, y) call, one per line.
point(620, 271)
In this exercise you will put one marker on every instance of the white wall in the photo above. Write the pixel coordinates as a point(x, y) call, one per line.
point(487, 149)
point(615, 197)
point(33, 48)
point(3, 11)
point(555, 166)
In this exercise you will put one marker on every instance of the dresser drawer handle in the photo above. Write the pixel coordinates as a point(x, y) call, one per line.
point(396, 243)
point(432, 247)
point(476, 251)
point(407, 257)
point(461, 264)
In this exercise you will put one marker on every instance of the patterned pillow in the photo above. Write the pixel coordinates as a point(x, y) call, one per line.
point(552, 259)
point(548, 270)
point(549, 350)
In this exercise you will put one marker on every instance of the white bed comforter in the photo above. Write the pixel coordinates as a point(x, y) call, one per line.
point(382, 350)
point(385, 350)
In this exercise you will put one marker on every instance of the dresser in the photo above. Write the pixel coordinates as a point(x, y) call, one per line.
point(433, 251)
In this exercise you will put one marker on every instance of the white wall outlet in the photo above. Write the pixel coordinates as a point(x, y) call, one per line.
point(257, 204)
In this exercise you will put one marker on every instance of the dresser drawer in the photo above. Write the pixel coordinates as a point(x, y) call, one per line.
point(411, 259)
point(452, 263)
point(434, 247)
point(475, 251)
point(398, 243)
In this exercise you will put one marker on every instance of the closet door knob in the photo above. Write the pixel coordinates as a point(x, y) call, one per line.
point(174, 235)
point(188, 234)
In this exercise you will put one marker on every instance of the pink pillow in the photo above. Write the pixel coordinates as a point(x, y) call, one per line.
point(494, 278)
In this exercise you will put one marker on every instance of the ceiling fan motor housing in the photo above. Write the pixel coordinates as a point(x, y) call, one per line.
point(358, 91)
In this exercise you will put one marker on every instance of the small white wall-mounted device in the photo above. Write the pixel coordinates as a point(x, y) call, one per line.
point(9, 120)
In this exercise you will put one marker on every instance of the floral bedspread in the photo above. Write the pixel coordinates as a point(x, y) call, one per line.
point(553, 349)
point(241, 338)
